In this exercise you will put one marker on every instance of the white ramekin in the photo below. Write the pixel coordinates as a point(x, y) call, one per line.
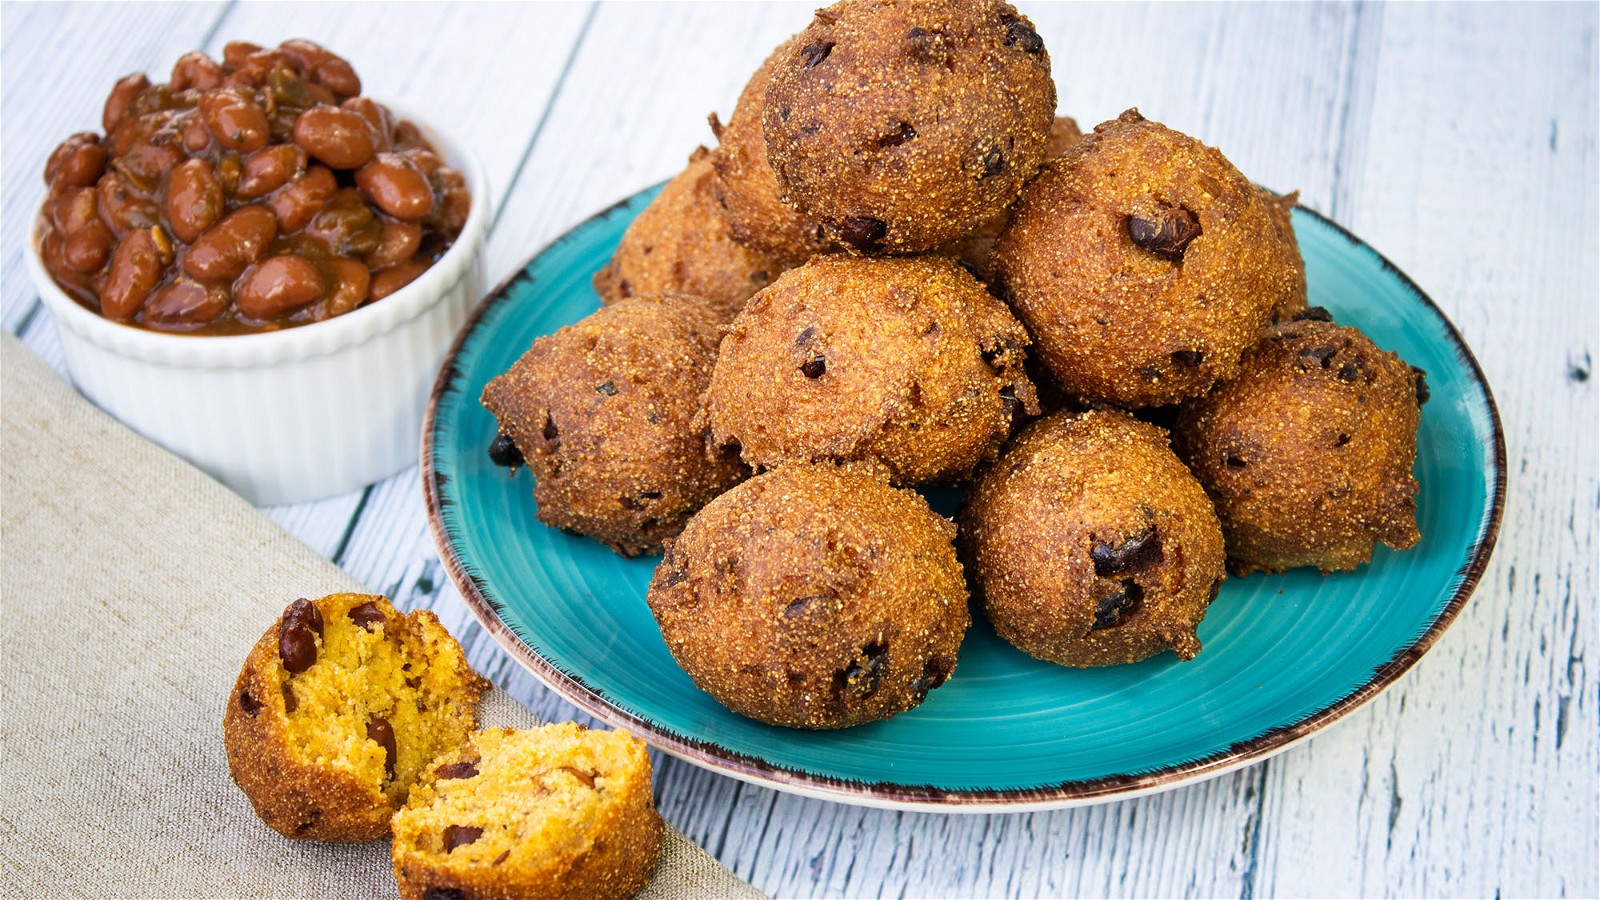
point(292, 415)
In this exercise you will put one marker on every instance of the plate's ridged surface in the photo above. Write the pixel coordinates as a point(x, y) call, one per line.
point(1283, 655)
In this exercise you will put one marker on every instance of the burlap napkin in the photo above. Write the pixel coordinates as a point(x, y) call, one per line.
point(133, 586)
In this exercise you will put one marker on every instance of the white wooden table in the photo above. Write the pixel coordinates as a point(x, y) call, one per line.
point(1458, 140)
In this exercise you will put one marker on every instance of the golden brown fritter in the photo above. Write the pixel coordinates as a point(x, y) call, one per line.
point(680, 244)
point(1144, 264)
point(1091, 544)
point(747, 187)
point(814, 596)
point(559, 811)
point(976, 250)
point(338, 708)
point(1308, 453)
point(1064, 132)
point(905, 125)
point(1282, 208)
point(603, 411)
point(905, 360)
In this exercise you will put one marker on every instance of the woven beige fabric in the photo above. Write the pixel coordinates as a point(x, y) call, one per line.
point(132, 587)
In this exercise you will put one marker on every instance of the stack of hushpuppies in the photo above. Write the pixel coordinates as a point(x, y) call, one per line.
point(895, 257)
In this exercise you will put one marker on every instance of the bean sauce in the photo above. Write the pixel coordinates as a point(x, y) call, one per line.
point(250, 194)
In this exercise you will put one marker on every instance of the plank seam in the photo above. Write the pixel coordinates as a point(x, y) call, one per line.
point(544, 115)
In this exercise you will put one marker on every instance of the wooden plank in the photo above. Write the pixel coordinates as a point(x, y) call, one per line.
point(632, 108)
point(58, 62)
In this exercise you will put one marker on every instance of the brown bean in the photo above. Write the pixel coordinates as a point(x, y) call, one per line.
point(234, 118)
point(185, 304)
point(130, 131)
point(278, 285)
point(378, 116)
point(195, 70)
point(234, 53)
point(73, 208)
point(338, 76)
point(78, 162)
point(146, 162)
point(394, 278)
point(351, 285)
point(380, 732)
point(455, 202)
point(51, 244)
point(1136, 552)
point(815, 53)
point(121, 98)
point(122, 208)
point(467, 768)
point(339, 137)
point(135, 270)
point(1164, 231)
point(346, 225)
point(427, 161)
point(305, 54)
point(300, 201)
point(863, 232)
point(407, 136)
point(504, 453)
point(254, 69)
point(398, 243)
point(1021, 35)
point(86, 249)
point(195, 136)
point(395, 185)
point(367, 615)
point(227, 248)
point(324, 66)
point(194, 199)
point(268, 169)
point(297, 635)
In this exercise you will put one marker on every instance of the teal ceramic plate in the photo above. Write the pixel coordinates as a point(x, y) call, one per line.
point(1284, 655)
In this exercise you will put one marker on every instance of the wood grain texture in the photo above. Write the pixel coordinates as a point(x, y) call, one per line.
point(1459, 140)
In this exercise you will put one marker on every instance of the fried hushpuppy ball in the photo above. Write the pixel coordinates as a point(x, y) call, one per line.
point(814, 596)
point(556, 811)
point(1282, 208)
point(905, 360)
point(1090, 543)
point(1064, 132)
point(338, 708)
point(602, 412)
point(747, 187)
point(1308, 453)
point(680, 244)
point(1144, 264)
point(905, 125)
point(976, 250)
